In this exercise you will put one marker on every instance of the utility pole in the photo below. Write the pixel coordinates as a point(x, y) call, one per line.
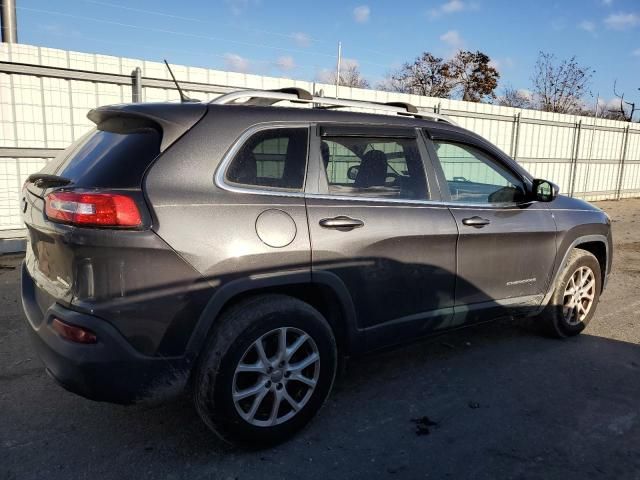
point(338, 67)
point(8, 21)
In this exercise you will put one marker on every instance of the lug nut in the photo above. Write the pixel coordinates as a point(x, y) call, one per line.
point(279, 386)
point(268, 384)
point(287, 374)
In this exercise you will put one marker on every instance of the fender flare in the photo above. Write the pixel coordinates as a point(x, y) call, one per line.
point(576, 243)
point(223, 295)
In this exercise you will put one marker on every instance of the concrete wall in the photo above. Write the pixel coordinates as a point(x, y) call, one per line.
point(39, 112)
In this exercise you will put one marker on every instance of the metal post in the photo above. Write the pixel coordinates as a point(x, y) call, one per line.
point(136, 85)
point(9, 21)
point(593, 136)
point(576, 153)
point(623, 157)
point(516, 136)
point(338, 67)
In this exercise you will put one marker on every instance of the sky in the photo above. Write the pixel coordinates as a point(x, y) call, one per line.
point(299, 39)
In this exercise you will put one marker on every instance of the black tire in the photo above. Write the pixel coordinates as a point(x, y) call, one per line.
point(236, 331)
point(552, 320)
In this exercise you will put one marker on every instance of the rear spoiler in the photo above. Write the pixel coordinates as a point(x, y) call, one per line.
point(172, 119)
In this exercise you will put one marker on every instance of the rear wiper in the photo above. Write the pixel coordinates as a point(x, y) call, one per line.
point(45, 180)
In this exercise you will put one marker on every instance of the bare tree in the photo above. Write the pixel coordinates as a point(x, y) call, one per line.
point(612, 115)
point(512, 97)
point(427, 75)
point(474, 78)
point(350, 76)
point(468, 75)
point(560, 87)
point(623, 113)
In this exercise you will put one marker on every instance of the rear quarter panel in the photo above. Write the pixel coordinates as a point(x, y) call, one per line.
point(214, 229)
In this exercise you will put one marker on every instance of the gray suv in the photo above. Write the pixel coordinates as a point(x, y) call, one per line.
point(238, 250)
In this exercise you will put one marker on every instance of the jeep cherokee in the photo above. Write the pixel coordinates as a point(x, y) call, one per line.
point(238, 249)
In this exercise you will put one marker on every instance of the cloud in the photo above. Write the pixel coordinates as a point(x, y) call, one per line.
point(361, 14)
point(453, 39)
point(236, 63)
point(622, 21)
point(346, 63)
point(607, 3)
point(285, 63)
point(499, 64)
point(605, 105)
point(525, 93)
point(452, 6)
point(301, 39)
point(587, 26)
point(636, 52)
point(613, 104)
point(238, 7)
point(328, 75)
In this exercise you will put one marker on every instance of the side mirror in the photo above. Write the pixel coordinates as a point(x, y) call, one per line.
point(544, 190)
point(352, 172)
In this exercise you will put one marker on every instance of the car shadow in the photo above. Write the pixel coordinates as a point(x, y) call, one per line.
point(496, 399)
point(490, 401)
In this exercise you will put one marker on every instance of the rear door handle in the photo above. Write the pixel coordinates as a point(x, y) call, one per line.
point(476, 221)
point(341, 223)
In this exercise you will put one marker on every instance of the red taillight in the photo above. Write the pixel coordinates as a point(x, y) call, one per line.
point(73, 333)
point(93, 209)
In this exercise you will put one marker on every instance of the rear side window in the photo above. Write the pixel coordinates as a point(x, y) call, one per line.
point(111, 160)
point(374, 167)
point(272, 159)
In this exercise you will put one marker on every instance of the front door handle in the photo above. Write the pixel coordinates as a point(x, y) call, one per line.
point(476, 221)
point(341, 223)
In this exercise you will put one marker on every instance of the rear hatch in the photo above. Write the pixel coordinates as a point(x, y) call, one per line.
point(110, 160)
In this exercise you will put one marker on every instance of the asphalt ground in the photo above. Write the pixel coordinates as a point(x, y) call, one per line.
point(495, 401)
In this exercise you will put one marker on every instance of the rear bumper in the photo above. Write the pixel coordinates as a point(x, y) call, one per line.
point(110, 370)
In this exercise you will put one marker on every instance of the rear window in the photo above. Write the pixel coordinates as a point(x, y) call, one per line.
point(111, 160)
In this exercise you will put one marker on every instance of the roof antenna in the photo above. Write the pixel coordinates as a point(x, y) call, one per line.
point(183, 97)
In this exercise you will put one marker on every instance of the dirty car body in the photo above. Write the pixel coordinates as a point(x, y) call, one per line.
point(428, 248)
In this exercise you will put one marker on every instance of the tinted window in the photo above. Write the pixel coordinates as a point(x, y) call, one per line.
point(113, 160)
point(474, 177)
point(374, 167)
point(271, 158)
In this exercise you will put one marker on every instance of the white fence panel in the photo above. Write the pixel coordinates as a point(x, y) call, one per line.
point(48, 111)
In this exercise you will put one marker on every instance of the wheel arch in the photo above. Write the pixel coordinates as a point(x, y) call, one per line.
point(600, 250)
point(326, 293)
point(597, 244)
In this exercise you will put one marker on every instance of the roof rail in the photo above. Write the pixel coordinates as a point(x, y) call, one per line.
point(299, 95)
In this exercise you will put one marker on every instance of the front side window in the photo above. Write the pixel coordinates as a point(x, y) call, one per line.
point(474, 177)
point(271, 158)
point(374, 167)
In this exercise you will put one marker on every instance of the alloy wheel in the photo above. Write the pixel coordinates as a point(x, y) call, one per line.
point(276, 377)
point(579, 295)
